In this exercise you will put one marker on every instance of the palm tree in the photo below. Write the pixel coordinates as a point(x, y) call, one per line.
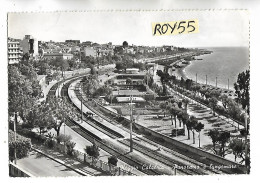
point(194, 123)
point(174, 112)
point(185, 120)
point(185, 102)
point(238, 148)
point(198, 128)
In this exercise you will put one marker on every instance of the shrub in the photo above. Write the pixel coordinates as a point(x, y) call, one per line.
point(70, 147)
point(63, 138)
point(112, 160)
point(51, 143)
point(22, 144)
point(92, 150)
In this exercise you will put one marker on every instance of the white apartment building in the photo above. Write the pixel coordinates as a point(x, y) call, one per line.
point(14, 51)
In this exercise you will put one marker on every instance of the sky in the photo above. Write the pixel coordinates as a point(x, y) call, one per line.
point(216, 28)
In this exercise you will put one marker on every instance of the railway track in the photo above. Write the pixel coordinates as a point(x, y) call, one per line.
point(111, 133)
point(201, 161)
point(92, 137)
point(160, 158)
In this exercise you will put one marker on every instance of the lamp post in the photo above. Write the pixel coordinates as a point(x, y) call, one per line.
point(228, 83)
point(81, 108)
point(15, 137)
point(196, 78)
point(131, 122)
point(246, 150)
point(64, 138)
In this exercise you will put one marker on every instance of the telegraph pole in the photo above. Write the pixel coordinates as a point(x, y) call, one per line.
point(81, 104)
point(216, 81)
point(131, 123)
point(246, 151)
point(15, 138)
point(196, 78)
point(228, 83)
point(64, 141)
point(206, 80)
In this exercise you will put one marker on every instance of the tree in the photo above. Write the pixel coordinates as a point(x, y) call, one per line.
point(214, 137)
point(70, 148)
point(112, 160)
point(213, 104)
point(44, 67)
point(60, 110)
point(225, 100)
point(125, 44)
point(163, 106)
point(21, 94)
point(233, 109)
point(194, 123)
point(120, 65)
point(92, 150)
point(40, 117)
point(223, 139)
point(185, 101)
point(93, 70)
point(174, 112)
point(90, 85)
point(198, 128)
point(242, 89)
point(238, 148)
point(129, 81)
point(184, 119)
point(219, 137)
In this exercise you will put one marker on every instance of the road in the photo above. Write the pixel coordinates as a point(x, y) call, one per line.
point(41, 166)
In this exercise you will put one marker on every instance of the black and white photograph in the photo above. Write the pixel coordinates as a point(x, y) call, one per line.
point(128, 93)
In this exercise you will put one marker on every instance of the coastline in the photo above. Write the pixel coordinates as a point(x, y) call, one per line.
point(180, 72)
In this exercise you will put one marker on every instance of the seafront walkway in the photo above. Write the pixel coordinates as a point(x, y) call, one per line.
point(204, 115)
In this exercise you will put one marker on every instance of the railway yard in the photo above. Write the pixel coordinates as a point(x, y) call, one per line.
point(149, 156)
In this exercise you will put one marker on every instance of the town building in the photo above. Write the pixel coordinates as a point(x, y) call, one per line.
point(64, 56)
point(89, 51)
point(29, 45)
point(14, 51)
point(132, 71)
point(73, 41)
point(87, 43)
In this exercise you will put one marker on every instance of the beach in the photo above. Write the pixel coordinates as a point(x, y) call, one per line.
point(223, 63)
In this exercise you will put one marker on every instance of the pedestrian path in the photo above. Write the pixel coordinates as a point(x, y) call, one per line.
point(70, 163)
point(42, 166)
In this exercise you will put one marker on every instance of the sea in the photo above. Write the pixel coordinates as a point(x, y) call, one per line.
point(225, 63)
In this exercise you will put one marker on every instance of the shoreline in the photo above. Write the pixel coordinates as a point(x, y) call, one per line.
point(180, 72)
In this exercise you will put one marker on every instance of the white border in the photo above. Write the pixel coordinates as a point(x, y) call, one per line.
point(80, 5)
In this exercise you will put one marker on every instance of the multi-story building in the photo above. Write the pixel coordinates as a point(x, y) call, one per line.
point(86, 43)
point(14, 51)
point(89, 51)
point(52, 56)
point(73, 41)
point(29, 45)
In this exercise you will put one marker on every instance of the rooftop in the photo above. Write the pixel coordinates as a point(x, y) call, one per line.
point(127, 99)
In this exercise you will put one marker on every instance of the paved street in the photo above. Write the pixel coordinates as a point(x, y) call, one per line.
point(41, 166)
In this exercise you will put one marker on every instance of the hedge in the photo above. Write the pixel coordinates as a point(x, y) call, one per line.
point(23, 146)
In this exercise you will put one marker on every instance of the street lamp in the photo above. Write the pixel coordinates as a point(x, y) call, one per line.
point(64, 138)
point(246, 150)
point(15, 139)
